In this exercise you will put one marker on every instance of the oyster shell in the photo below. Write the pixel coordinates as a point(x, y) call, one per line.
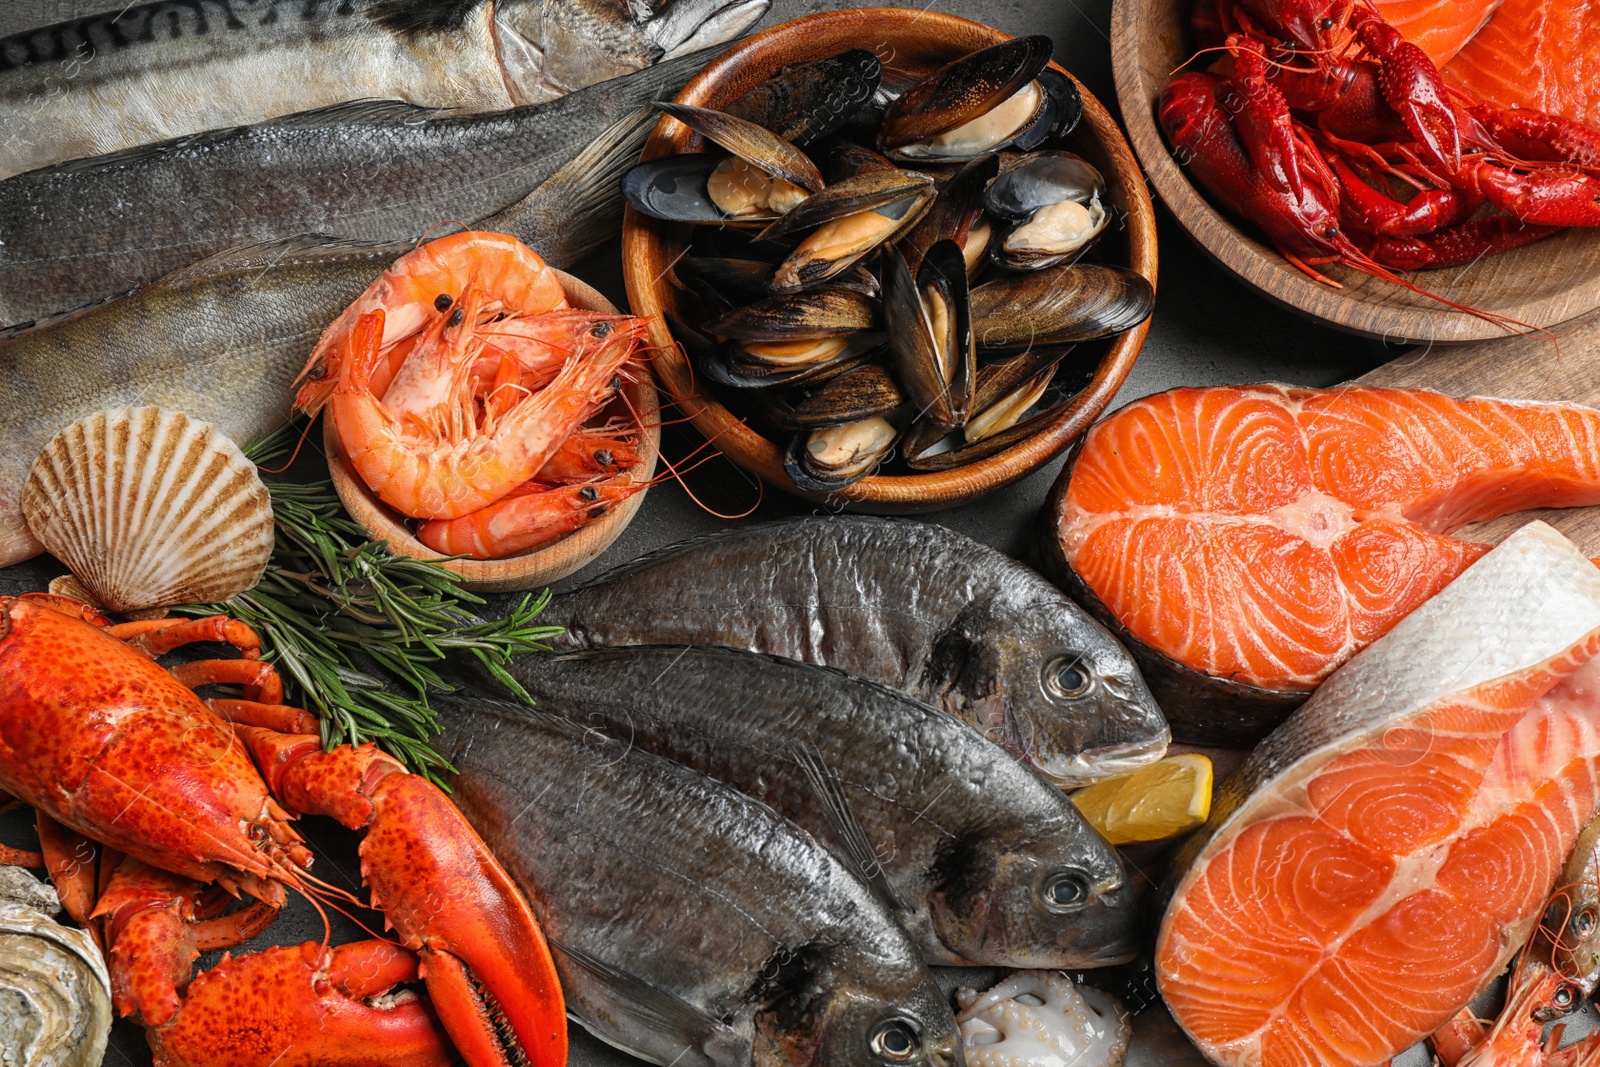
point(150, 508)
point(55, 992)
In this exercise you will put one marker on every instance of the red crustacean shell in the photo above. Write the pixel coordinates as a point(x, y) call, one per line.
point(101, 738)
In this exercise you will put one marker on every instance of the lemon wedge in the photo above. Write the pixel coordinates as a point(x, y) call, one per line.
point(1167, 798)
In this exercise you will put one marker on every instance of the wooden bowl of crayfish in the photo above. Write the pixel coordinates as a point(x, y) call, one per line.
point(912, 43)
point(544, 564)
point(1538, 285)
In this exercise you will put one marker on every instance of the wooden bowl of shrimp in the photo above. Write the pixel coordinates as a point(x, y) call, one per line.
point(918, 42)
point(638, 406)
point(1540, 284)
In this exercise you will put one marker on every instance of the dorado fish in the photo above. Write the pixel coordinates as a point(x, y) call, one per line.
point(982, 860)
point(155, 71)
point(222, 339)
point(691, 924)
point(67, 236)
point(1381, 856)
point(908, 604)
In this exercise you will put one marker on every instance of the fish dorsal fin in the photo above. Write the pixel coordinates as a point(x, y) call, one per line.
point(655, 1010)
point(848, 834)
point(266, 254)
point(422, 16)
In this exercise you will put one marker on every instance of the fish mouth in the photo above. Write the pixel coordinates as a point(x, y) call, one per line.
point(690, 25)
point(1106, 761)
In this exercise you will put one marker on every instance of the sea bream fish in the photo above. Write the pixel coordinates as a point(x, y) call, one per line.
point(1380, 857)
point(908, 604)
point(223, 339)
point(67, 237)
point(691, 924)
point(153, 71)
point(982, 860)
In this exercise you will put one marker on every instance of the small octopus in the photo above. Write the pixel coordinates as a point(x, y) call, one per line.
point(1041, 1019)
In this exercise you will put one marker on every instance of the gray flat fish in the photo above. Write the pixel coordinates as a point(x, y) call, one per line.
point(908, 604)
point(152, 71)
point(692, 925)
point(982, 860)
point(68, 236)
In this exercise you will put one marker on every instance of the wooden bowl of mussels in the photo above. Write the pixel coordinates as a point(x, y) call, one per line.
point(897, 259)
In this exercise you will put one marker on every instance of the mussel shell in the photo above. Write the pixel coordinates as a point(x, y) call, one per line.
point(997, 378)
point(1042, 178)
point(823, 312)
point(963, 90)
point(846, 159)
point(1066, 101)
point(861, 192)
point(1061, 305)
point(804, 102)
point(856, 449)
point(1005, 252)
point(724, 283)
point(856, 394)
point(810, 264)
point(918, 359)
point(749, 142)
point(674, 188)
point(1007, 409)
point(921, 453)
point(954, 211)
point(728, 366)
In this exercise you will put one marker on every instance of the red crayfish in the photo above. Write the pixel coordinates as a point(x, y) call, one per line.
point(1338, 138)
point(191, 803)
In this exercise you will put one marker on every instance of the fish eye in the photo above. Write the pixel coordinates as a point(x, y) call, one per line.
point(1065, 891)
point(894, 1041)
point(1067, 678)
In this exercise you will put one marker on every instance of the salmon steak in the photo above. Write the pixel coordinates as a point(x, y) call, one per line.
point(1381, 856)
point(1439, 27)
point(1246, 541)
point(1543, 54)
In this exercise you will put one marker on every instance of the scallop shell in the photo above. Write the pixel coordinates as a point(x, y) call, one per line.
point(150, 508)
point(55, 993)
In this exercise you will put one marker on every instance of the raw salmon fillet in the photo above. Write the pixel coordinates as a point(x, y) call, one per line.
point(1438, 27)
point(1265, 535)
point(1383, 854)
point(1542, 54)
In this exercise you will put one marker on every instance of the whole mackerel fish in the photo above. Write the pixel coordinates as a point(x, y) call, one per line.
point(224, 338)
point(912, 605)
point(691, 924)
point(140, 73)
point(982, 860)
point(68, 237)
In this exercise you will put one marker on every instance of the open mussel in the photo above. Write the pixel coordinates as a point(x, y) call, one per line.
point(1060, 305)
point(956, 215)
point(795, 338)
point(930, 333)
point(983, 102)
point(848, 220)
point(804, 102)
point(1055, 203)
point(831, 458)
point(856, 394)
point(825, 312)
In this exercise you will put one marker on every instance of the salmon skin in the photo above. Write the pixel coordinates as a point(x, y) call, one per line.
point(998, 869)
point(1382, 855)
point(1439, 27)
point(67, 237)
point(908, 604)
point(1543, 54)
point(148, 72)
point(690, 924)
point(1245, 541)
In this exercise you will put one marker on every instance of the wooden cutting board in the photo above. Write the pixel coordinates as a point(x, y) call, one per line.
point(1566, 368)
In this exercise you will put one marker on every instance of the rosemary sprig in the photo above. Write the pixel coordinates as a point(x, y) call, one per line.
point(333, 599)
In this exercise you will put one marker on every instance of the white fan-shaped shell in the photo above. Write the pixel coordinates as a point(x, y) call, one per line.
point(150, 508)
point(55, 993)
point(1041, 1019)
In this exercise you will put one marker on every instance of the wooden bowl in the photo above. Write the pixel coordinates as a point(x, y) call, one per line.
point(538, 566)
point(919, 41)
point(1542, 284)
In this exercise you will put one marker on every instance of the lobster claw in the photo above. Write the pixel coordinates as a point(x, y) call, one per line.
point(488, 969)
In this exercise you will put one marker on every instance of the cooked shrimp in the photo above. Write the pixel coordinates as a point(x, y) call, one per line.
point(424, 286)
point(591, 452)
point(532, 516)
point(472, 454)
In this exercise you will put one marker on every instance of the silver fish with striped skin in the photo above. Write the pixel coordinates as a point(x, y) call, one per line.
point(152, 71)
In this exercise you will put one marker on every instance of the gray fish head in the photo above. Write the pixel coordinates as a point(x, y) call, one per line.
point(1075, 705)
point(870, 1012)
point(1061, 899)
point(548, 49)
